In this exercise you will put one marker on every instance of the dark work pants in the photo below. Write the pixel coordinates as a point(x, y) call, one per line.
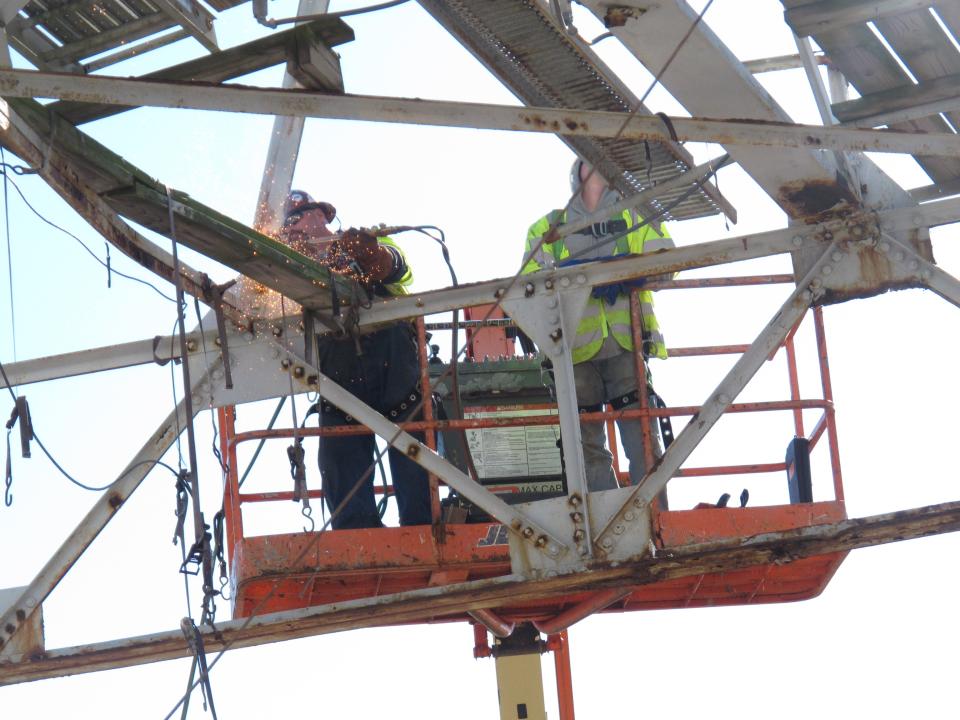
point(383, 374)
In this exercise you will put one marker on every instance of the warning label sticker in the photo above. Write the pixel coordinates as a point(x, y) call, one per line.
point(522, 451)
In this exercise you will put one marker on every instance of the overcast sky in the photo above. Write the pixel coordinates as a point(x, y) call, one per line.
point(878, 642)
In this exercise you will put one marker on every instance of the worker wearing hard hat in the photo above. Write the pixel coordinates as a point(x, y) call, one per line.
point(602, 349)
point(381, 368)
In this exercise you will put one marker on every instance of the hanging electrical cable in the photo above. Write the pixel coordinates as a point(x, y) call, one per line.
point(6, 221)
point(3, 169)
point(200, 551)
point(310, 546)
point(260, 13)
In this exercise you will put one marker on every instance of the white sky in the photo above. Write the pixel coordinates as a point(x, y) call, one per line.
point(878, 642)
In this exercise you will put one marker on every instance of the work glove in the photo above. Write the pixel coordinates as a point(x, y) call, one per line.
point(610, 293)
point(353, 253)
point(607, 293)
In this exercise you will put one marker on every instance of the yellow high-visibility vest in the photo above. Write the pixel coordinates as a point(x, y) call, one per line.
point(599, 319)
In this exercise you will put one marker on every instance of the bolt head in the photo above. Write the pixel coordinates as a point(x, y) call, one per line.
point(837, 256)
point(619, 528)
point(723, 398)
point(884, 247)
point(826, 269)
point(606, 543)
point(581, 278)
point(797, 240)
point(899, 256)
point(914, 265)
point(564, 282)
point(629, 515)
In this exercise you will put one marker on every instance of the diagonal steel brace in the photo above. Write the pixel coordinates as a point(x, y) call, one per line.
point(742, 372)
point(96, 519)
point(934, 277)
point(513, 519)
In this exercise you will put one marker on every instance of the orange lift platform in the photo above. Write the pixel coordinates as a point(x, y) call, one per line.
point(281, 572)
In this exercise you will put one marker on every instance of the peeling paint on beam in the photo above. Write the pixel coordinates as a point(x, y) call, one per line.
point(782, 547)
point(121, 91)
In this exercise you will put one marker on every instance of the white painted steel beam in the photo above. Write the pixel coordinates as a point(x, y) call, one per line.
point(832, 14)
point(718, 252)
point(913, 112)
point(112, 357)
point(194, 18)
point(431, 602)
point(119, 91)
point(769, 339)
point(281, 161)
point(936, 278)
point(780, 62)
point(707, 254)
point(709, 81)
point(95, 520)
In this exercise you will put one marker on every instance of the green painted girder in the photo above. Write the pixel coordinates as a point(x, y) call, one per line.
point(228, 64)
point(137, 196)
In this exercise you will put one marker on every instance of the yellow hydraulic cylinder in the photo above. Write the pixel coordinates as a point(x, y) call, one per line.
point(520, 686)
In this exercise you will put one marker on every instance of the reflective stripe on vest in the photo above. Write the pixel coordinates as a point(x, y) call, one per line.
point(599, 319)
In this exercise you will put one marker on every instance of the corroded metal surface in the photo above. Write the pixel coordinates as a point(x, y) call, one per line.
point(777, 548)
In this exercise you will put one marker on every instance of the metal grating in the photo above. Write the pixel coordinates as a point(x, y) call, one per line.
point(524, 47)
point(60, 34)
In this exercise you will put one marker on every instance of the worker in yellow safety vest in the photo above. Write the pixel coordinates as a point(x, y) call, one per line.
point(381, 368)
point(602, 349)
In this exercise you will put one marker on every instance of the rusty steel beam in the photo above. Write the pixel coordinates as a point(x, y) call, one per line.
point(566, 122)
point(458, 599)
point(717, 252)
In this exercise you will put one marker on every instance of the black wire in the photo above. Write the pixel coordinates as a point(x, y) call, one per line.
point(213, 421)
point(378, 453)
point(340, 14)
point(6, 220)
point(3, 169)
point(173, 391)
point(256, 453)
point(68, 476)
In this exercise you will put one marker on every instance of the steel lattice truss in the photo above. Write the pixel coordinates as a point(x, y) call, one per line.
point(856, 234)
